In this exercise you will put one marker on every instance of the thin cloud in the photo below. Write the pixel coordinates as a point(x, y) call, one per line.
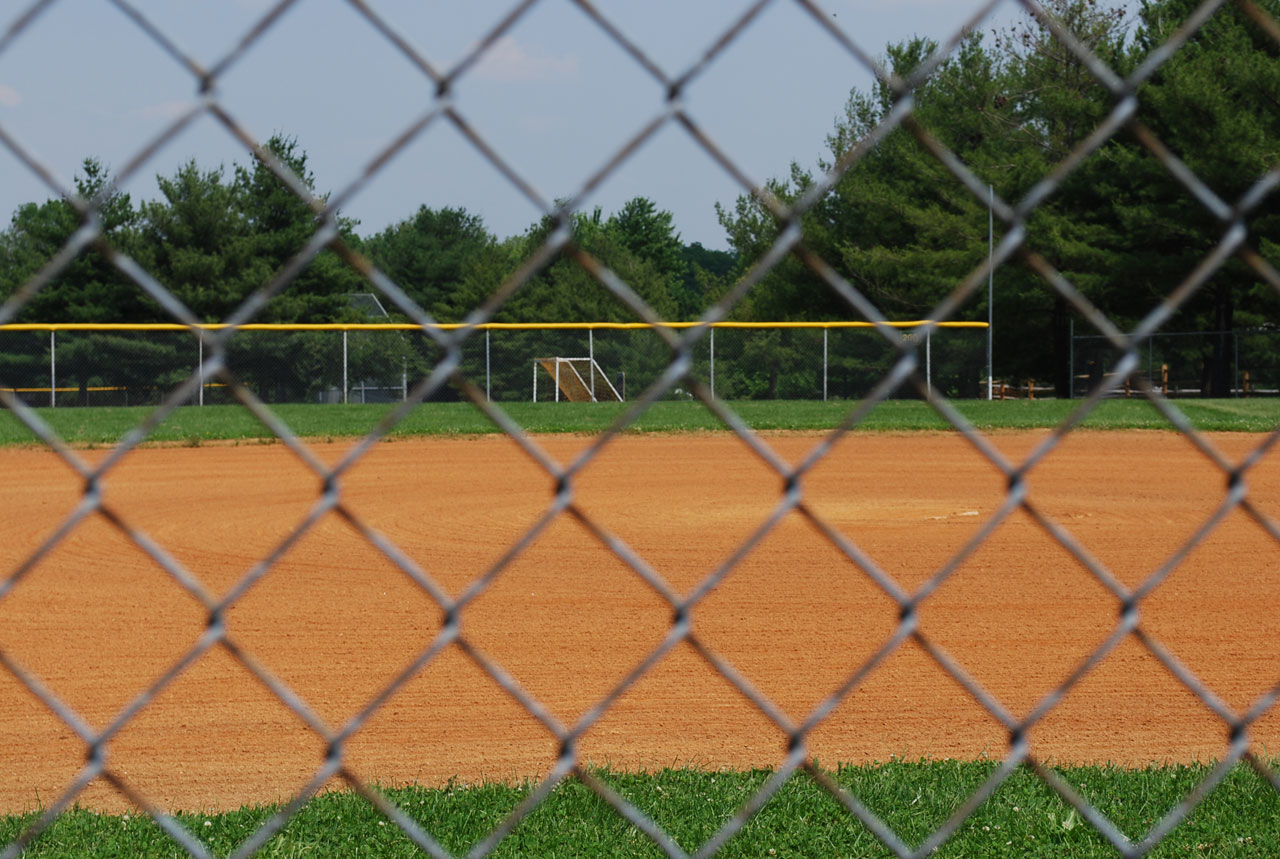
point(164, 110)
point(508, 61)
point(9, 97)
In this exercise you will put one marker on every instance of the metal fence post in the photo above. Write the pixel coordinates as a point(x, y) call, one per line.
point(1235, 344)
point(713, 362)
point(591, 360)
point(53, 371)
point(928, 363)
point(824, 364)
point(200, 367)
point(488, 377)
point(344, 367)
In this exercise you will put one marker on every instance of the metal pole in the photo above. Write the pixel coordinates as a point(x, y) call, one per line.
point(1071, 359)
point(991, 245)
point(535, 381)
point(344, 367)
point(713, 362)
point(53, 371)
point(557, 380)
point(200, 345)
point(488, 379)
point(591, 361)
point(1235, 338)
point(928, 363)
point(824, 364)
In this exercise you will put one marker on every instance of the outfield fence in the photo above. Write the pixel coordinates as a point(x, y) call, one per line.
point(1177, 363)
point(122, 365)
point(254, 369)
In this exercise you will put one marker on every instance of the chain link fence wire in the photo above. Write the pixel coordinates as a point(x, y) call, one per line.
point(440, 361)
point(283, 364)
point(1181, 363)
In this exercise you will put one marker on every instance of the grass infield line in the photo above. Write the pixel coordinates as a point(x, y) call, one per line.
point(193, 425)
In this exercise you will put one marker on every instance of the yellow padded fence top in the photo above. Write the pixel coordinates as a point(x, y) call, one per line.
point(451, 326)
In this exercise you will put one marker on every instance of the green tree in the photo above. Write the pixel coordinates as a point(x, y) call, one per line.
point(649, 237)
point(437, 257)
point(567, 292)
point(90, 289)
point(905, 232)
point(279, 224)
point(198, 241)
point(1216, 105)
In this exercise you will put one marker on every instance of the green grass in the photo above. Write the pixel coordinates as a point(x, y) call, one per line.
point(1023, 817)
point(193, 425)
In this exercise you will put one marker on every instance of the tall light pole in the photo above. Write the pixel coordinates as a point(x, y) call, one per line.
point(991, 245)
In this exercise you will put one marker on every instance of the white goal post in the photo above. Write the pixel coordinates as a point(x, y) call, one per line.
point(580, 380)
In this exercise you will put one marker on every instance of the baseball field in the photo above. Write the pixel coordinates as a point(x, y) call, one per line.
point(335, 621)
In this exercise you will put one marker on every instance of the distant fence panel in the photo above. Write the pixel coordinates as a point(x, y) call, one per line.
point(1183, 363)
point(378, 364)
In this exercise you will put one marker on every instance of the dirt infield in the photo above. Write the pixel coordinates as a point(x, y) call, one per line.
point(97, 621)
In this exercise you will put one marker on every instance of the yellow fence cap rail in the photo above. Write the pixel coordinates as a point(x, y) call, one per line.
point(453, 326)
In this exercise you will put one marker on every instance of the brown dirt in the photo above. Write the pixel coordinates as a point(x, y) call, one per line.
point(97, 621)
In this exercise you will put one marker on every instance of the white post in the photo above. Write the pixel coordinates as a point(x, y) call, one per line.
point(557, 380)
point(404, 380)
point(53, 371)
point(991, 233)
point(713, 362)
point(928, 363)
point(591, 360)
point(824, 364)
point(200, 351)
point(488, 379)
point(344, 367)
point(535, 381)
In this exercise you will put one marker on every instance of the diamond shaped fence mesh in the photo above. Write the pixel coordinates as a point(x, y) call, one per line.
point(590, 652)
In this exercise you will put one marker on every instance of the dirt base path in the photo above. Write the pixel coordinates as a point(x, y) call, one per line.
point(97, 621)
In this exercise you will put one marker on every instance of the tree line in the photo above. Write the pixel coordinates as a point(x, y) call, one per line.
point(1121, 228)
point(212, 240)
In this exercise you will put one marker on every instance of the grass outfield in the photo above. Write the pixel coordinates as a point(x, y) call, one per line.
point(105, 425)
point(1023, 818)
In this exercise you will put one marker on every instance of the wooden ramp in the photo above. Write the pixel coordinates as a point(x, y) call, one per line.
point(575, 379)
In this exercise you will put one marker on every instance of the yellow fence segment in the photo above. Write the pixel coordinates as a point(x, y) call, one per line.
point(453, 326)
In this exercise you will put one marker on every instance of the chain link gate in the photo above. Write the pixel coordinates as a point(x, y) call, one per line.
point(456, 351)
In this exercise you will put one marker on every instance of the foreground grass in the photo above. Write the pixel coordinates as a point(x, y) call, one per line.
point(1023, 818)
point(192, 425)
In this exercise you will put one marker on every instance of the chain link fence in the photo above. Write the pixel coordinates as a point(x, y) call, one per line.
point(438, 363)
point(1180, 363)
point(126, 366)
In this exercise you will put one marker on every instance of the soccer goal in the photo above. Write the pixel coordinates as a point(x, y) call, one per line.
point(579, 380)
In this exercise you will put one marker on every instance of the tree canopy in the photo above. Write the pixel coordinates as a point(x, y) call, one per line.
point(905, 232)
point(1010, 107)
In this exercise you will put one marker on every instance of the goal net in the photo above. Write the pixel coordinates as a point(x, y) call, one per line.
point(578, 380)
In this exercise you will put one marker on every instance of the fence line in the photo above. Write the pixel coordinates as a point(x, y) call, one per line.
point(123, 364)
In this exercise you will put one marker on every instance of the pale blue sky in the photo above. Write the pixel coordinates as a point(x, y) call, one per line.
point(555, 98)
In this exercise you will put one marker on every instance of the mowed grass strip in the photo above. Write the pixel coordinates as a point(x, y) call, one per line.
point(1023, 818)
point(193, 425)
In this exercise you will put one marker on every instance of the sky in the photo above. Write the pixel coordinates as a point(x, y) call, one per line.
point(555, 97)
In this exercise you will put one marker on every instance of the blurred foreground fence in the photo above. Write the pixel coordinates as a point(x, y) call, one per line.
point(123, 365)
point(1203, 206)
